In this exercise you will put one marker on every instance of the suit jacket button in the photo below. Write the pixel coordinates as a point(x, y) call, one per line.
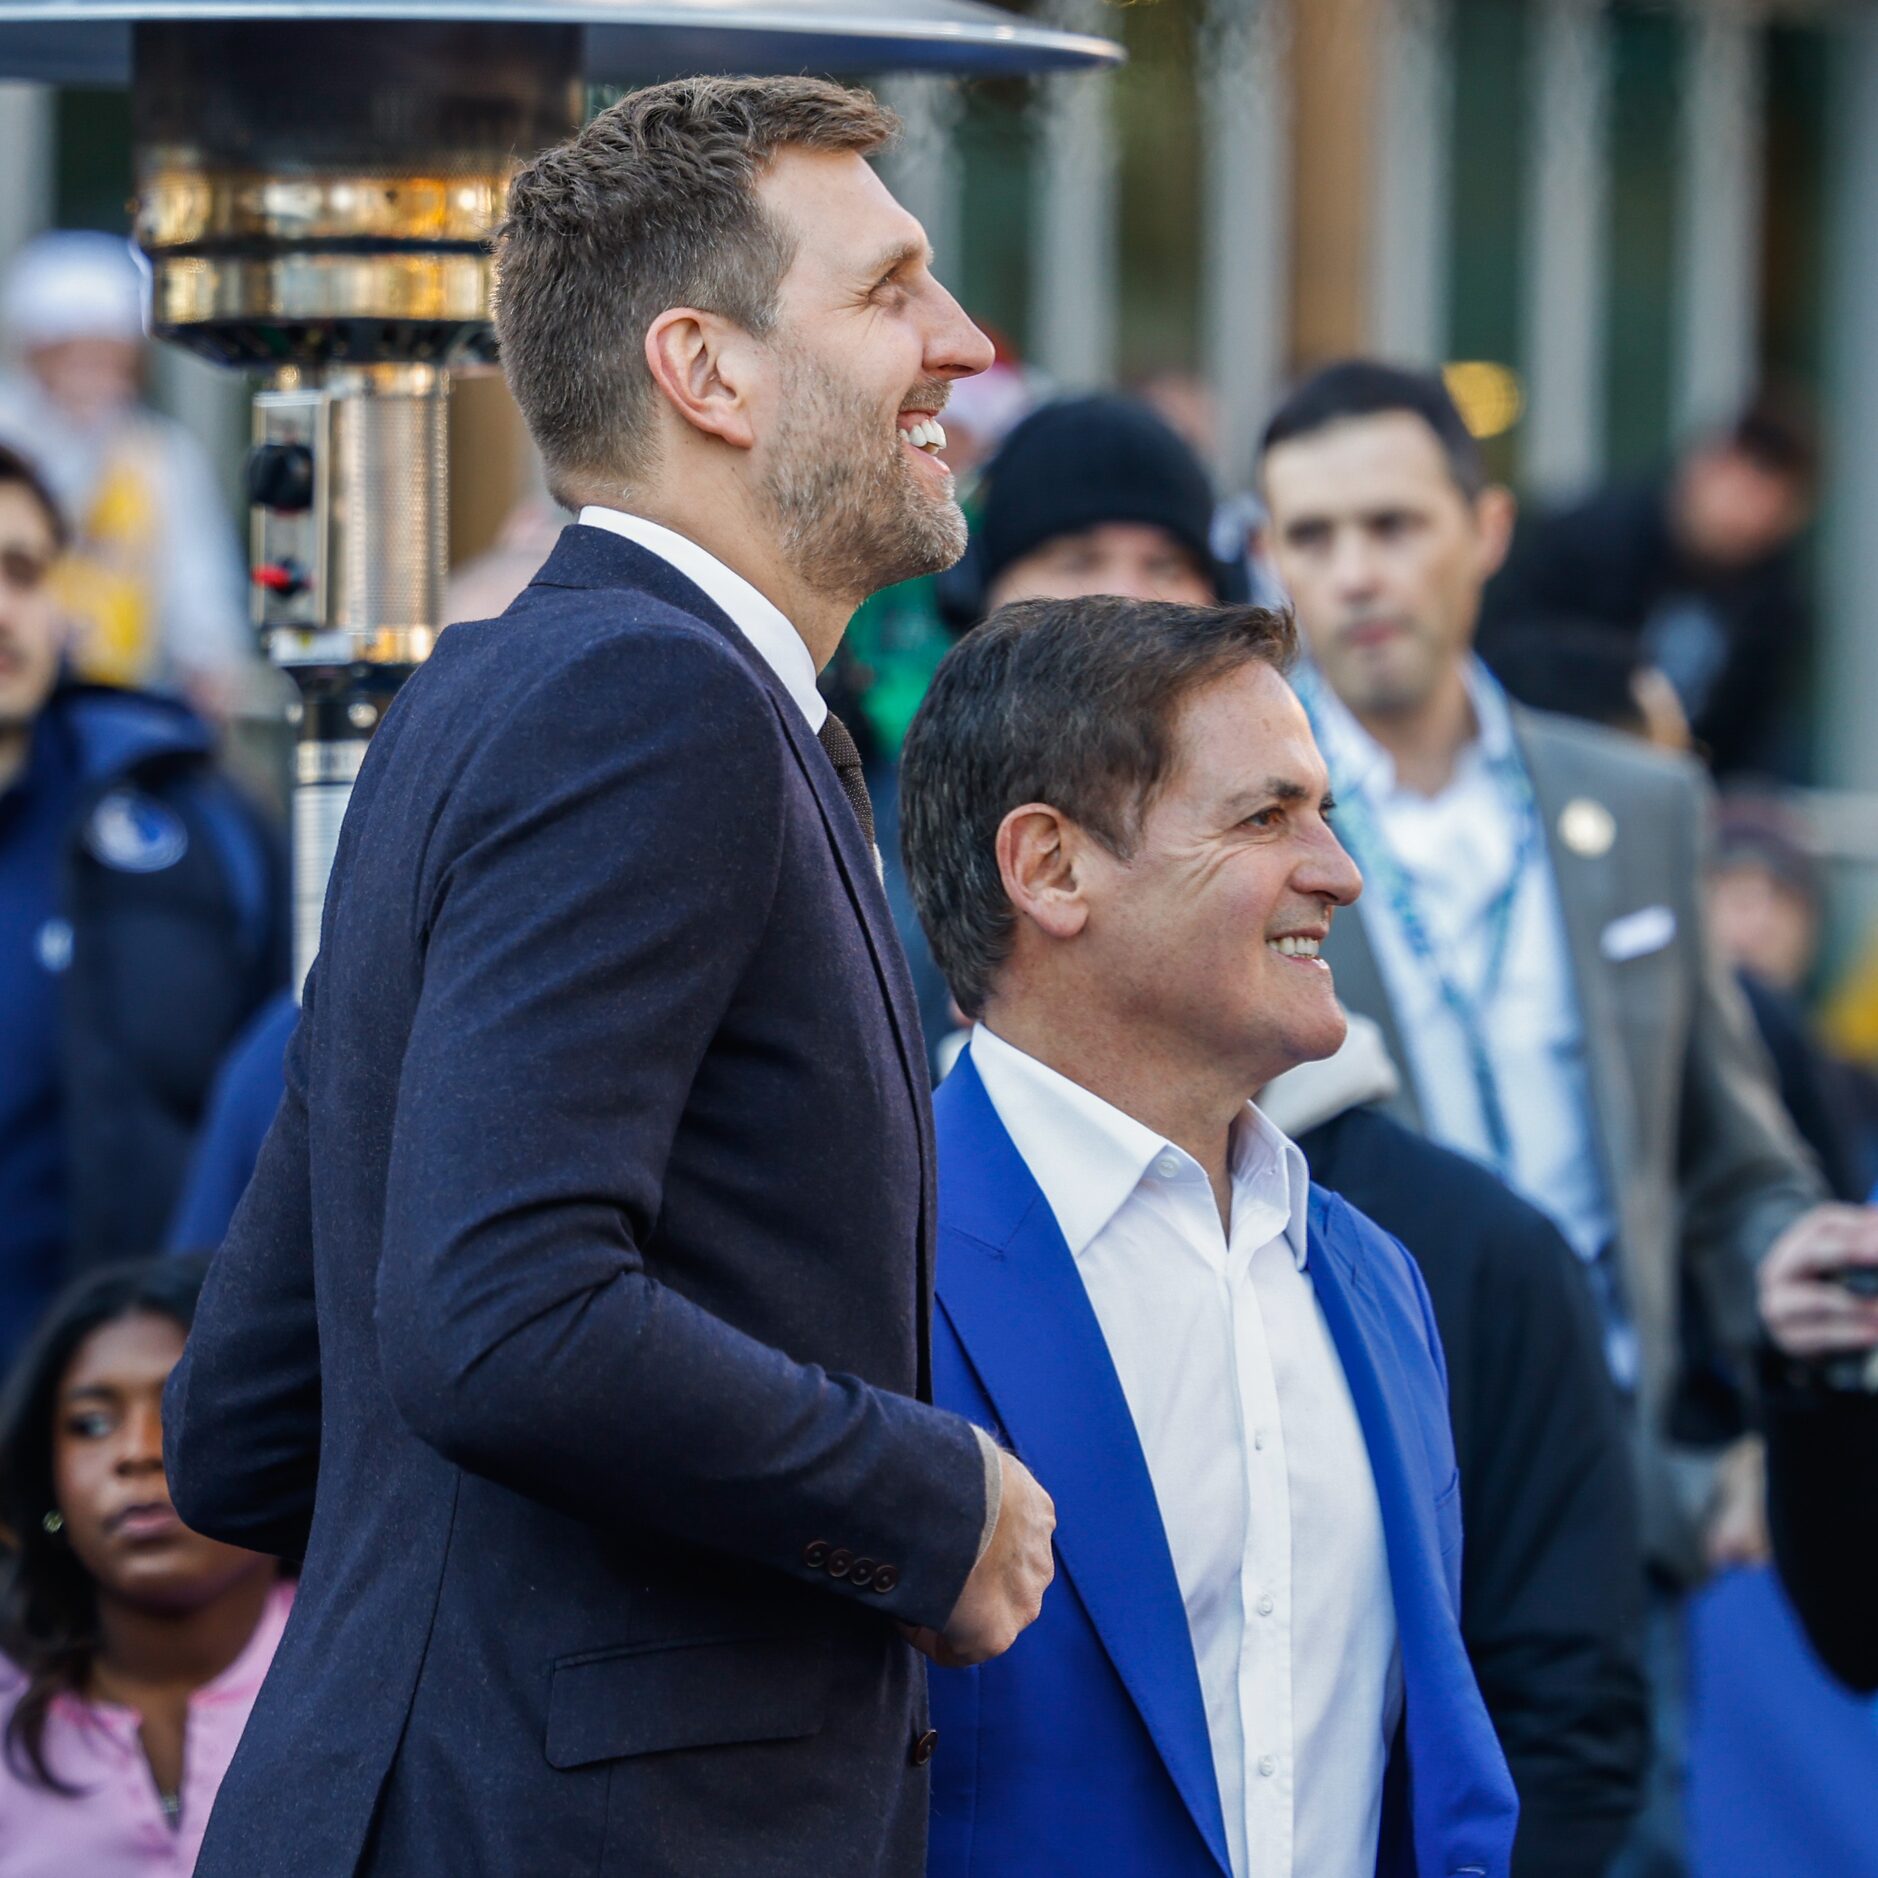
point(815, 1554)
point(840, 1562)
point(863, 1573)
point(924, 1746)
point(885, 1578)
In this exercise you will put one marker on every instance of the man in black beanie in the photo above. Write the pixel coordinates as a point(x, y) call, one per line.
point(1092, 495)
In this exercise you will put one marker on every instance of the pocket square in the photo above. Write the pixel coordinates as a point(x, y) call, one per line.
point(1648, 929)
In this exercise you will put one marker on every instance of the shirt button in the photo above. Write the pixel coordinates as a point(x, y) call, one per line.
point(1258, 1437)
point(1167, 1167)
point(1265, 1606)
point(1267, 1766)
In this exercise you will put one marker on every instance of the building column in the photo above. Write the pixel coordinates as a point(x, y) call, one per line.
point(1246, 201)
point(1333, 47)
point(26, 154)
point(1408, 273)
point(1565, 258)
point(922, 168)
point(1719, 224)
point(1848, 659)
point(1074, 259)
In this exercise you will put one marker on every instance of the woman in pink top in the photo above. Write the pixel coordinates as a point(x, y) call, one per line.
point(131, 1650)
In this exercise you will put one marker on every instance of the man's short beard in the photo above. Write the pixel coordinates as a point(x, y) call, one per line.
point(851, 515)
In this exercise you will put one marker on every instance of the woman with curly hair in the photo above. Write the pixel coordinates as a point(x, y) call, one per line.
point(131, 1649)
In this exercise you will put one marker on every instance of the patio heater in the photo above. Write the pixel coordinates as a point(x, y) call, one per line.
point(315, 181)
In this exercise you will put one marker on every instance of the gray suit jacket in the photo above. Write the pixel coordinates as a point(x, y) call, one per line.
point(1703, 1166)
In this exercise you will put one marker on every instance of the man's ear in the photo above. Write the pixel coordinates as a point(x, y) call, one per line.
point(1496, 508)
point(702, 364)
point(1037, 847)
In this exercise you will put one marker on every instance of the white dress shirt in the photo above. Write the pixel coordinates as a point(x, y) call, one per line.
point(1253, 1446)
point(760, 622)
point(1458, 849)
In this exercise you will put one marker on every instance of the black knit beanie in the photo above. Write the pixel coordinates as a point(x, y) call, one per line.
point(1085, 461)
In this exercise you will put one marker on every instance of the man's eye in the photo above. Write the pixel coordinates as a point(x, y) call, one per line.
point(23, 572)
point(89, 1426)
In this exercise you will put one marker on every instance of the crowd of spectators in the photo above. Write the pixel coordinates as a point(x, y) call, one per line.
point(145, 1008)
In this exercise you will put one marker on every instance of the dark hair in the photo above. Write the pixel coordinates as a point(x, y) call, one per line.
point(1069, 702)
point(48, 1603)
point(1356, 388)
point(1777, 434)
point(652, 205)
point(21, 473)
point(1576, 667)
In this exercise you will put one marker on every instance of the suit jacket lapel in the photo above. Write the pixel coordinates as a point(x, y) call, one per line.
point(1010, 1288)
point(1363, 1340)
point(855, 858)
point(1589, 892)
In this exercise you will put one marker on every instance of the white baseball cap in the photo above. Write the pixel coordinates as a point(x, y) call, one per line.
point(75, 284)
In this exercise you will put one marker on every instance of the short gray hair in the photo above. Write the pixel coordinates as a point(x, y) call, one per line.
point(652, 205)
point(1069, 702)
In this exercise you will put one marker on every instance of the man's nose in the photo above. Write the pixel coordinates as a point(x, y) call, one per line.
point(1353, 566)
point(1329, 873)
point(955, 348)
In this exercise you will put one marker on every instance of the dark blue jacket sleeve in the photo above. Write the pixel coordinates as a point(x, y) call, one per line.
point(241, 1413)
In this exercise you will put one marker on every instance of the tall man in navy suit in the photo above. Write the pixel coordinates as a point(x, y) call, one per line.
point(575, 1327)
point(1116, 829)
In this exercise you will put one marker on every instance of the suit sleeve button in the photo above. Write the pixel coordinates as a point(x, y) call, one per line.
point(815, 1554)
point(863, 1574)
point(885, 1578)
point(840, 1562)
point(923, 1747)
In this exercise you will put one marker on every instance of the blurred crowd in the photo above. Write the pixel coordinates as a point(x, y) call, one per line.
point(1589, 1101)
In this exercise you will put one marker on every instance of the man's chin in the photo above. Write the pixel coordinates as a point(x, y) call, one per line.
point(1319, 1037)
point(932, 540)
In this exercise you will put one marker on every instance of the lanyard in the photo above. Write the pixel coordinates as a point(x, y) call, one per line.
point(1470, 1010)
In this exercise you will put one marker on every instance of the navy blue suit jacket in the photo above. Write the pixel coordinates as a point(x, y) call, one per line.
point(571, 1325)
point(1085, 1749)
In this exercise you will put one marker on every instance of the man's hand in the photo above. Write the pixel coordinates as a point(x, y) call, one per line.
point(1806, 1311)
point(1005, 1591)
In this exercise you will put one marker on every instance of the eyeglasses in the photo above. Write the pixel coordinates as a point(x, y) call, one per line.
point(23, 570)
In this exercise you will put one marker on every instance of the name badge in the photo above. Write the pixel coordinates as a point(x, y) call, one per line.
point(1636, 935)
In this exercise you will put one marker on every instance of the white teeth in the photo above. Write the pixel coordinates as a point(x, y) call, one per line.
point(927, 434)
point(1295, 947)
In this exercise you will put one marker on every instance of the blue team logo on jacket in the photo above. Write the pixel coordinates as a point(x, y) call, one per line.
point(136, 834)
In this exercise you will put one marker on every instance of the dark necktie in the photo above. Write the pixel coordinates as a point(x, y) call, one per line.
point(847, 761)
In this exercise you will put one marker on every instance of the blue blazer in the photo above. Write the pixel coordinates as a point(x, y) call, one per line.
point(1084, 1750)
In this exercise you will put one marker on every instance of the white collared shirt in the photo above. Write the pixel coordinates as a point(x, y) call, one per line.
point(1459, 849)
point(764, 625)
point(1253, 1446)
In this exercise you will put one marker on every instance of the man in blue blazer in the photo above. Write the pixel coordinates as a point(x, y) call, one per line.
point(1115, 824)
point(575, 1325)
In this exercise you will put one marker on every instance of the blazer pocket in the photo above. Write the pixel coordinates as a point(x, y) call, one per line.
point(604, 1705)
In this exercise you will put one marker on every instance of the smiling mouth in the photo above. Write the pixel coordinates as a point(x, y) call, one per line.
point(926, 435)
point(1300, 948)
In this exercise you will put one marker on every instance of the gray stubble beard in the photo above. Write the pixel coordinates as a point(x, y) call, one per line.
point(849, 521)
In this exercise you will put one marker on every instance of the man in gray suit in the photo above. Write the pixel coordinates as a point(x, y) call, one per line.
point(1530, 939)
